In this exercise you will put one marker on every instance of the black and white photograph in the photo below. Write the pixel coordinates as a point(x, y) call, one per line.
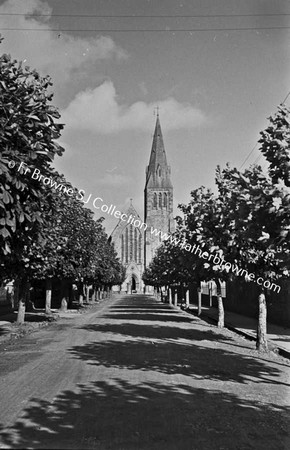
point(145, 224)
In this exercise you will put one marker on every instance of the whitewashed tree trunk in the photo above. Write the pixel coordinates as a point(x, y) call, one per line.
point(48, 293)
point(94, 294)
point(262, 344)
point(187, 299)
point(175, 297)
point(170, 296)
point(221, 312)
point(199, 301)
point(23, 288)
point(81, 293)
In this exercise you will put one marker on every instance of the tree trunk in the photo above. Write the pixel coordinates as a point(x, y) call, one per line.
point(64, 295)
point(81, 293)
point(48, 296)
point(63, 306)
point(23, 289)
point(94, 294)
point(170, 296)
point(81, 299)
point(199, 301)
point(221, 313)
point(262, 344)
point(182, 295)
point(187, 299)
point(175, 297)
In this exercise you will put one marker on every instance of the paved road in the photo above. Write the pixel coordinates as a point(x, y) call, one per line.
point(137, 374)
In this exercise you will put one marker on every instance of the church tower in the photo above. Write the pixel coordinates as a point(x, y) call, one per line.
point(158, 195)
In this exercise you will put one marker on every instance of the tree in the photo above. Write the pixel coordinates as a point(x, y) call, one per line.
point(68, 247)
point(165, 268)
point(275, 145)
point(258, 217)
point(28, 142)
point(204, 228)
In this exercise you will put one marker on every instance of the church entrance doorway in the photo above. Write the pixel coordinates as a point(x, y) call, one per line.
point(133, 283)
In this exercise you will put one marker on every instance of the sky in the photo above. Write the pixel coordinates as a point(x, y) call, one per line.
point(217, 71)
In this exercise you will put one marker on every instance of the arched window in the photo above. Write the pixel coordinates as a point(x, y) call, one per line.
point(155, 200)
point(122, 248)
point(131, 242)
point(140, 250)
point(165, 200)
point(136, 245)
point(160, 200)
point(126, 244)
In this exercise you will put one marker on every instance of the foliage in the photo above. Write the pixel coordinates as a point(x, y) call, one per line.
point(258, 218)
point(275, 145)
point(28, 135)
point(164, 268)
point(44, 232)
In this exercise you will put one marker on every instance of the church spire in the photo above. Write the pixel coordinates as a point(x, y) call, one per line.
point(158, 170)
point(158, 154)
point(158, 194)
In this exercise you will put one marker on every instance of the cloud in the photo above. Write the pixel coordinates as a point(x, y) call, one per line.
point(58, 54)
point(114, 180)
point(97, 110)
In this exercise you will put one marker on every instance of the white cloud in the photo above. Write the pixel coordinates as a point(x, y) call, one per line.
point(97, 110)
point(58, 54)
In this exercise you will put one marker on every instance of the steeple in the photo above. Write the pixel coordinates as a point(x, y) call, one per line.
point(158, 171)
point(158, 195)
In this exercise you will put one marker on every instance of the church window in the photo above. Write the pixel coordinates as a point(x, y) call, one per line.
point(165, 201)
point(159, 172)
point(126, 244)
point(140, 249)
point(136, 245)
point(131, 242)
point(155, 200)
point(160, 200)
point(122, 248)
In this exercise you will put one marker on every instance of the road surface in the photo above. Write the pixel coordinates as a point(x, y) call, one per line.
point(134, 373)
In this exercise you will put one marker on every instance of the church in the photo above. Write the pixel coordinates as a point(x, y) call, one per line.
point(136, 246)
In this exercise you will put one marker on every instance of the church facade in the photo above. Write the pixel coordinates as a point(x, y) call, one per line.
point(136, 247)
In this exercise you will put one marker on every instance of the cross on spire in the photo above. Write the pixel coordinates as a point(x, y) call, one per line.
point(157, 110)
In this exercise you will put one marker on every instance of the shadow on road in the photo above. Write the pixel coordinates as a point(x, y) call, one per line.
point(165, 386)
point(195, 361)
point(154, 331)
point(121, 415)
